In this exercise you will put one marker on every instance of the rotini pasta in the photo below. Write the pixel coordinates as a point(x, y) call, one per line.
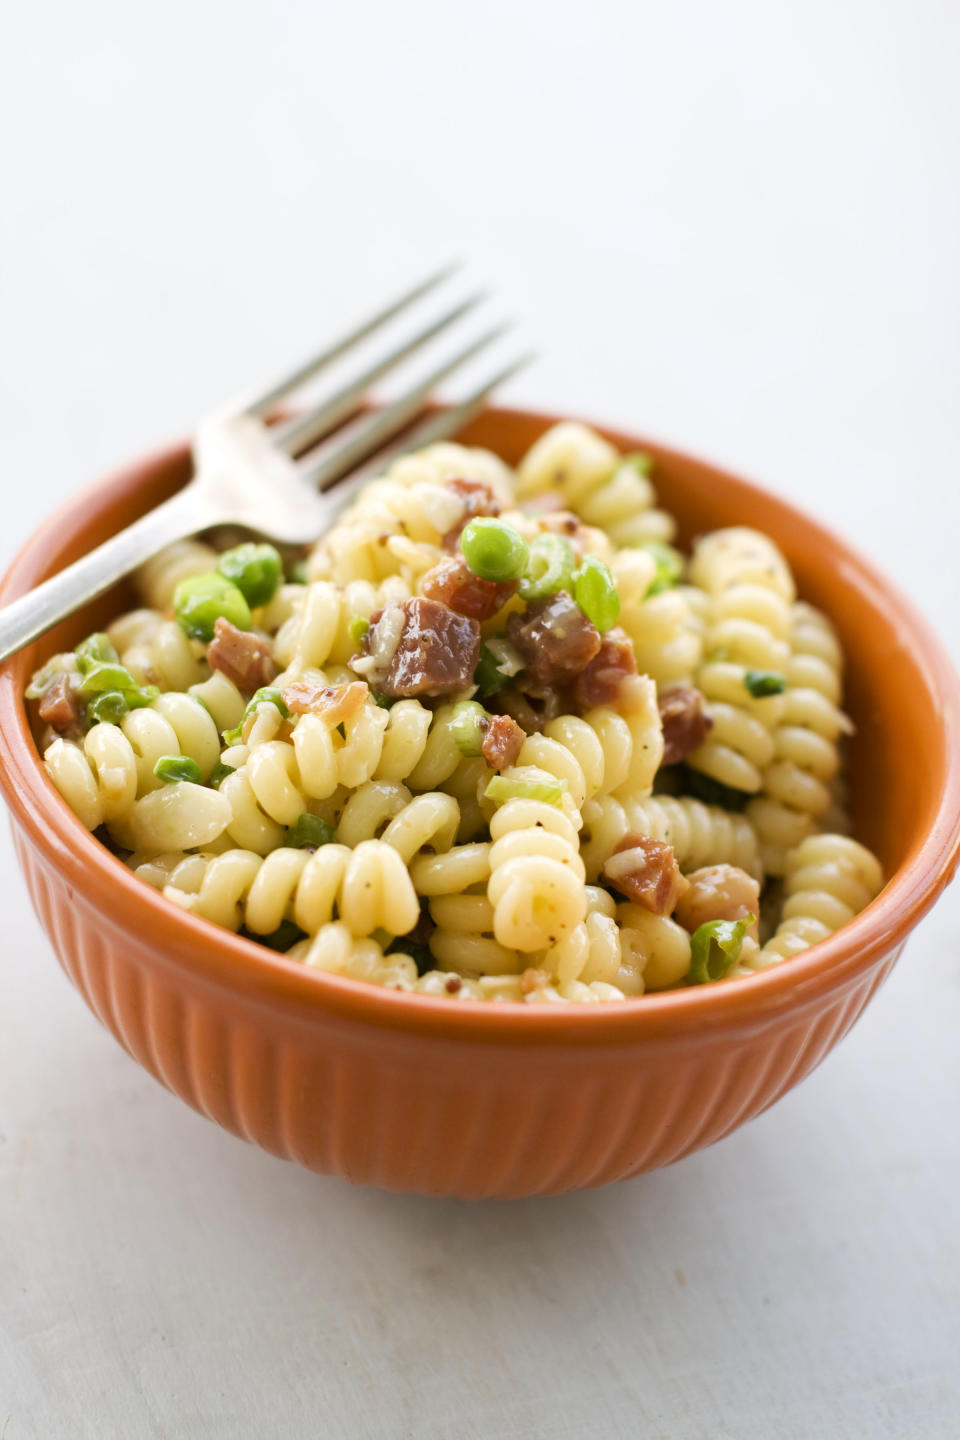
point(829, 880)
point(502, 744)
point(604, 488)
point(797, 785)
point(750, 589)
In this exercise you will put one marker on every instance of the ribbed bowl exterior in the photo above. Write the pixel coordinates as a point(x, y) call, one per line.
point(415, 1093)
point(405, 1112)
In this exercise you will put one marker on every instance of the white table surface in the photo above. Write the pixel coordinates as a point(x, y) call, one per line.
point(732, 226)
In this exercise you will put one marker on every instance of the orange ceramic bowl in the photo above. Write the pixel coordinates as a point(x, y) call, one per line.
point(415, 1093)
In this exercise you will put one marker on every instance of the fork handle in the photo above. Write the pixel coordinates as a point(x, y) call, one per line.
point(34, 613)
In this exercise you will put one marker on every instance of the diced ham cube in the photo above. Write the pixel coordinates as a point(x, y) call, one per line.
point(502, 741)
point(685, 723)
point(555, 640)
point(244, 656)
point(60, 707)
point(453, 583)
point(646, 871)
point(601, 682)
point(433, 650)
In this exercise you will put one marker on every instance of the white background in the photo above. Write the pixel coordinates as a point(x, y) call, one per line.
point(733, 226)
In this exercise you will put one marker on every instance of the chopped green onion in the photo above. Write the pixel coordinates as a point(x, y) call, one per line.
point(595, 591)
point(95, 650)
point(502, 788)
point(357, 628)
point(178, 767)
point(298, 573)
point(466, 727)
point(106, 676)
point(282, 939)
point(493, 550)
point(637, 460)
point(107, 708)
point(219, 773)
point(488, 677)
point(384, 701)
point(309, 833)
point(254, 569)
point(715, 948)
point(669, 571)
point(764, 682)
point(103, 677)
point(549, 569)
point(200, 601)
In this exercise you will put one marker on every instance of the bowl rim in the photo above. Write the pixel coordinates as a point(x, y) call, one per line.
point(208, 952)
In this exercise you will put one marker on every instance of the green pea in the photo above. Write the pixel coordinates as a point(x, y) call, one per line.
point(95, 650)
point(669, 571)
point(715, 948)
point(108, 707)
point(309, 833)
point(596, 593)
point(254, 569)
point(466, 727)
point(200, 601)
point(178, 767)
point(764, 682)
point(494, 551)
point(549, 569)
point(488, 677)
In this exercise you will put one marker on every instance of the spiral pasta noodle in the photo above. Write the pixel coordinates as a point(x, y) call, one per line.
point(595, 483)
point(797, 784)
point(665, 628)
point(536, 874)
point(698, 834)
point(751, 590)
point(367, 889)
point(156, 651)
point(829, 880)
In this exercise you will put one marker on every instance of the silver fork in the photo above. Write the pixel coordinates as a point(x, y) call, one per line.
point(269, 477)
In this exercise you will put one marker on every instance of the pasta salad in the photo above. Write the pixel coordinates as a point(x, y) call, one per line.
point(493, 738)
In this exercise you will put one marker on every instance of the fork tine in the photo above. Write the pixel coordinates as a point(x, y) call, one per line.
point(441, 426)
point(376, 430)
point(449, 421)
point(296, 435)
point(264, 403)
